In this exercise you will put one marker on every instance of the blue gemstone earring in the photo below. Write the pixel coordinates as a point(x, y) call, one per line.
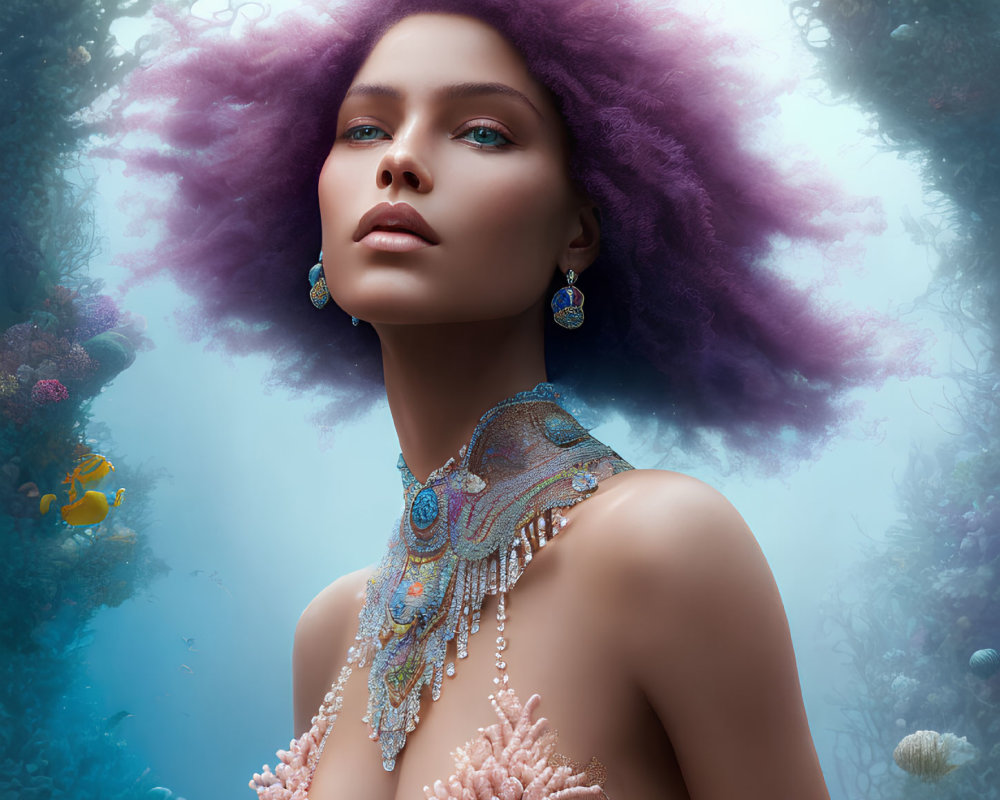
point(318, 292)
point(567, 304)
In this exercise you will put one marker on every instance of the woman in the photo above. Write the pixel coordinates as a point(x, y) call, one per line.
point(474, 160)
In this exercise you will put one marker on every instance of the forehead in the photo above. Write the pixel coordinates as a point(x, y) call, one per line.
point(425, 51)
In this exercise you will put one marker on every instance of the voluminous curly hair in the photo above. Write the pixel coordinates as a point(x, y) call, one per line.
point(686, 322)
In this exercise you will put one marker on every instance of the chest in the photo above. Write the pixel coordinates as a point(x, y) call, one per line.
point(553, 649)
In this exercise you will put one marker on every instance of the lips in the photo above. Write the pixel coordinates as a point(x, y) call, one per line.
point(398, 217)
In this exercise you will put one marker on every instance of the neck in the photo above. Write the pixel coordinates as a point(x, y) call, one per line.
point(440, 379)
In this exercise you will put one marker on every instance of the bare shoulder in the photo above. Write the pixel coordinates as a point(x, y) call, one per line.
point(644, 522)
point(690, 588)
point(329, 605)
point(669, 547)
point(322, 636)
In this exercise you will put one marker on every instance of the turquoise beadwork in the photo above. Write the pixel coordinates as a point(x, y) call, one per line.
point(563, 430)
point(425, 509)
point(314, 273)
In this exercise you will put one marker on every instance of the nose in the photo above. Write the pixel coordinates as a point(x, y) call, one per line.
point(404, 164)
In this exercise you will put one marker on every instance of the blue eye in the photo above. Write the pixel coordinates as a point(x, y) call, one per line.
point(482, 136)
point(364, 133)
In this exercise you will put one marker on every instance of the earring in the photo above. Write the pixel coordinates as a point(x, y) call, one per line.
point(567, 304)
point(318, 292)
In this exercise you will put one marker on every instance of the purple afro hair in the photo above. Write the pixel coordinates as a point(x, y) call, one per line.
point(686, 322)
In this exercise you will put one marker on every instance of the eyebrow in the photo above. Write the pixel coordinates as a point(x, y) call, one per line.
point(456, 91)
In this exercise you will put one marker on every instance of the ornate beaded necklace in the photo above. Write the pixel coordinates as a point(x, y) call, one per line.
point(469, 531)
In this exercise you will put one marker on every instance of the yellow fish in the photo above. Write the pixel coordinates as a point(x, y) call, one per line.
point(91, 469)
point(93, 506)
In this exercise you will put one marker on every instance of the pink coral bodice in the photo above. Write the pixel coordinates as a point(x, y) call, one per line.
point(515, 758)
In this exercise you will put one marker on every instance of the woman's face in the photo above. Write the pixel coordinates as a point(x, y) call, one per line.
point(444, 124)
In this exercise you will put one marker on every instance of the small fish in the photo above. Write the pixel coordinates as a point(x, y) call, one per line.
point(187, 668)
point(904, 33)
point(116, 718)
point(189, 641)
point(217, 580)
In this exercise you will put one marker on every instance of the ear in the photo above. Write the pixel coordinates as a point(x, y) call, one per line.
point(583, 249)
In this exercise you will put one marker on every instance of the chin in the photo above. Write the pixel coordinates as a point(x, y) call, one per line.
point(417, 303)
point(401, 311)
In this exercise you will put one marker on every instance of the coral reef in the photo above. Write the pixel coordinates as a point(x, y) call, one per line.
point(923, 607)
point(56, 58)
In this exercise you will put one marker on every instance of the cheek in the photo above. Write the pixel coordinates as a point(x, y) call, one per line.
point(513, 224)
point(520, 213)
point(339, 185)
point(329, 180)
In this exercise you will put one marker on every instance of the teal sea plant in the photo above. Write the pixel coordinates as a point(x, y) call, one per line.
point(61, 342)
point(921, 620)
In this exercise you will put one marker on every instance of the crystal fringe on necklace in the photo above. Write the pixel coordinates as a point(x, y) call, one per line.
point(469, 531)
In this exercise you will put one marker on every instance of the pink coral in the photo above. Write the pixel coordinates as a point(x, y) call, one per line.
point(291, 778)
point(515, 759)
point(49, 391)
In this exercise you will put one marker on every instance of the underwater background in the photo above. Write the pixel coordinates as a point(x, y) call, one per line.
point(148, 654)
